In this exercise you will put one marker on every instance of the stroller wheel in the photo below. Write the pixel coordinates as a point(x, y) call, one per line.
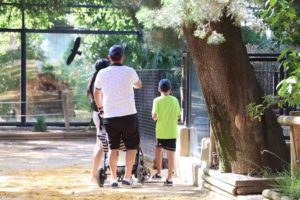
point(143, 174)
point(101, 177)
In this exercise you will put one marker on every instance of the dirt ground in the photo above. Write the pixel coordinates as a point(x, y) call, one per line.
point(60, 170)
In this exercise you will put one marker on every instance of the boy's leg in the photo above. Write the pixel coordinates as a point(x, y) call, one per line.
point(170, 155)
point(158, 159)
point(170, 146)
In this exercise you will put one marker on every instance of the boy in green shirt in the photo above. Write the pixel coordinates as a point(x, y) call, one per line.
point(166, 112)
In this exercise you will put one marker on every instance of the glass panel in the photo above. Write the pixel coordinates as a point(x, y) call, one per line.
point(10, 17)
point(10, 77)
point(49, 78)
point(199, 120)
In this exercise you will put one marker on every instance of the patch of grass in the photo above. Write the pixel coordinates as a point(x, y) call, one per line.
point(40, 125)
point(289, 186)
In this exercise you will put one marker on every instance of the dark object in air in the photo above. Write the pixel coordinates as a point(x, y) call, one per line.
point(74, 51)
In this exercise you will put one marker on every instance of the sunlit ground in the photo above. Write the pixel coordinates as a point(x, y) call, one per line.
point(52, 170)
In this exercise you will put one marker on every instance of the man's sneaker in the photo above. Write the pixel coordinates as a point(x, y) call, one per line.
point(132, 183)
point(114, 184)
point(168, 182)
point(156, 177)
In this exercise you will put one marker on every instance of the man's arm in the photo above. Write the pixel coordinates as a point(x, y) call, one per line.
point(98, 98)
point(138, 84)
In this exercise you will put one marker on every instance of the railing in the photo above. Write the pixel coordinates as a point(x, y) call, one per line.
point(294, 122)
point(62, 104)
point(269, 72)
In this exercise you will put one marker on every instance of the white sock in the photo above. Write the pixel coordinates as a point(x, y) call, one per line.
point(113, 181)
point(127, 179)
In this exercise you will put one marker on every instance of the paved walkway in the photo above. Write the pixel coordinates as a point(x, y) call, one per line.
point(25, 164)
point(33, 166)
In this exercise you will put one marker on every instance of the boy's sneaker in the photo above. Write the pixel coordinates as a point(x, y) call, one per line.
point(132, 183)
point(156, 177)
point(168, 182)
point(114, 184)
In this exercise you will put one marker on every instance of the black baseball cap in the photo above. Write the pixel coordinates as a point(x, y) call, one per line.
point(116, 51)
point(164, 85)
point(101, 64)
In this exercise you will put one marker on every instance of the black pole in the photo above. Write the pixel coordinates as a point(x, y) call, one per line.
point(23, 68)
point(186, 88)
point(275, 83)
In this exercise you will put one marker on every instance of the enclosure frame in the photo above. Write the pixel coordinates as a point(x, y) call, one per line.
point(23, 31)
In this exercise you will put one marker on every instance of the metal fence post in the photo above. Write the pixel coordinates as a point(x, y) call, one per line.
point(65, 106)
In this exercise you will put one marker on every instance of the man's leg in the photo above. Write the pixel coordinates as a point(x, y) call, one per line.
point(131, 138)
point(111, 126)
point(130, 158)
point(113, 160)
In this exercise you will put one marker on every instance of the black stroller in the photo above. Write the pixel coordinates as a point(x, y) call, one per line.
point(139, 170)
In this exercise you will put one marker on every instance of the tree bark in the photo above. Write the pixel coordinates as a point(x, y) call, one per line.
point(229, 84)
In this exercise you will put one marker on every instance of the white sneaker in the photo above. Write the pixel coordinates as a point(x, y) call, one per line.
point(132, 183)
point(114, 184)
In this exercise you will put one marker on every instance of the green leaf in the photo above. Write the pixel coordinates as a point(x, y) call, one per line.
point(273, 2)
point(282, 54)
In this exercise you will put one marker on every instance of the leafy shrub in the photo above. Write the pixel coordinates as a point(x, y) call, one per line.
point(40, 125)
point(289, 186)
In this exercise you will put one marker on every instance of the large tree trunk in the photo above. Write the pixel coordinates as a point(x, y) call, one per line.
point(229, 84)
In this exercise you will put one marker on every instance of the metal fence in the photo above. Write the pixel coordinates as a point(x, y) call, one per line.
point(267, 72)
point(266, 68)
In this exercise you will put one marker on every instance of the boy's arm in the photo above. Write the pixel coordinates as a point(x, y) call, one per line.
point(154, 110)
point(179, 112)
point(154, 116)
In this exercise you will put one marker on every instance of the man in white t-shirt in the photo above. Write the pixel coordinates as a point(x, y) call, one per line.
point(114, 96)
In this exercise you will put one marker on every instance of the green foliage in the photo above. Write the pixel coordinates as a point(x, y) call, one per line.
point(254, 37)
point(200, 14)
point(40, 125)
point(49, 13)
point(256, 111)
point(282, 18)
point(38, 14)
point(113, 15)
point(288, 186)
point(289, 88)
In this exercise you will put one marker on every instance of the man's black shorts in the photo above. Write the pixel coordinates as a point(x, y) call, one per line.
point(125, 127)
point(168, 144)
